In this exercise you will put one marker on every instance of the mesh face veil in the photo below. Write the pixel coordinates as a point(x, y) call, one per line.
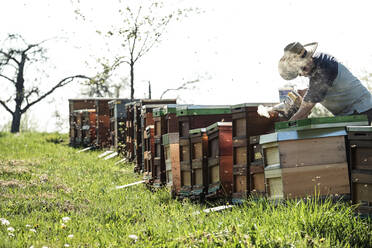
point(296, 60)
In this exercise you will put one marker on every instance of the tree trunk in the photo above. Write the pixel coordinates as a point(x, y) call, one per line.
point(132, 80)
point(16, 122)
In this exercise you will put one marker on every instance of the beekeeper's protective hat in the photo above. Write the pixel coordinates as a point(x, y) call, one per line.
point(294, 58)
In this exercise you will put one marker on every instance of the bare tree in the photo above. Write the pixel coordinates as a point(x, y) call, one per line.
point(13, 64)
point(143, 26)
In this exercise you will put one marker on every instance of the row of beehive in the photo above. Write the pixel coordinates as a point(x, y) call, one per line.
point(182, 146)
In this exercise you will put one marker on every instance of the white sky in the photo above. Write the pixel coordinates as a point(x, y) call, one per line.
point(236, 44)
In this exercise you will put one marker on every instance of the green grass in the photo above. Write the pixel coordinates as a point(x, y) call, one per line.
point(43, 180)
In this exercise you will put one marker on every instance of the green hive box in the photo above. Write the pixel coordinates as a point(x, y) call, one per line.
point(322, 122)
point(203, 110)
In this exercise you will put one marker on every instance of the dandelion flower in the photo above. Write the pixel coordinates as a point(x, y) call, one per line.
point(70, 236)
point(10, 229)
point(4, 222)
point(134, 237)
point(63, 226)
point(66, 219)
point(33, 230)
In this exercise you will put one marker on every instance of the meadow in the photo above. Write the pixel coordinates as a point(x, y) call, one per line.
point(52, 196)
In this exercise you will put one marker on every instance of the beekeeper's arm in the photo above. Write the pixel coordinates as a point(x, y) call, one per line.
point(303, 111)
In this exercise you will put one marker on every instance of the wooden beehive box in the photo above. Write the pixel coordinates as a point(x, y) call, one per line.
point(306, 162)
point(172, 162)
point(198, 162)
point(129, 133)
point(78, 134)
point(88, 128)
point(103, 117)
point(77, 104)
point(148, 158)
point(118, 117)
point(143, 118)
point(220, 160)
point(200, 116)
point(360, 162)
point(165, 121)
point(247, 123)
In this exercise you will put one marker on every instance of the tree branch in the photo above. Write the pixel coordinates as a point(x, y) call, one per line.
point(6, 107)
point(61, 83)
point(181, 87)
point(11, 80)
point(9, 57)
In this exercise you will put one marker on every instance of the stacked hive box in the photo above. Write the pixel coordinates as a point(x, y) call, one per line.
point(165, 121)
point(129, 133)
point(220, 160)
point(195, 176)
point(308, 157)
point(148, 154)
point(193, 117)
point(88, 120)
point(360, 151)
point(103, 120)
point(171, 146)
point(143, 117)
point(247, 177)
point(118, 116)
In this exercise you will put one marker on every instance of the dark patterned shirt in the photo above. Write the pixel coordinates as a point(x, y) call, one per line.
point(321, 78)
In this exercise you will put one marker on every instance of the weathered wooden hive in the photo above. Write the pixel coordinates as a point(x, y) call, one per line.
point(308, 158)
point(148, 154)
point(103, 117)
point(360, 162)
point(147, 119)
point(194, 117)
point(247, 172)
point(129, 133)
point(171, 146)
point(219, 160)
point(165, 121)
point(118, 115)
point(88, 126)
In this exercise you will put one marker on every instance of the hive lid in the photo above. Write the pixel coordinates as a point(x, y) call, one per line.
point(359, 128)
point(191, 110)
point(252, 104)
point(164, 110)
point(322, 122)
point(302, 134)
point(197, 131)
point(218, 124)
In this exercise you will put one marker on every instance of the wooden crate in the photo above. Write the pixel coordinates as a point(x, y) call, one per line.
point(220, 160)
point(247, 174)
point(360, 162)
point(172, 162)
point(148, 158)
point(129, 132)
point(306, 162)
point(118, 116)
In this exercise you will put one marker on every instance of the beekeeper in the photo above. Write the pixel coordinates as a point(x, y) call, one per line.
point(330, 82)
